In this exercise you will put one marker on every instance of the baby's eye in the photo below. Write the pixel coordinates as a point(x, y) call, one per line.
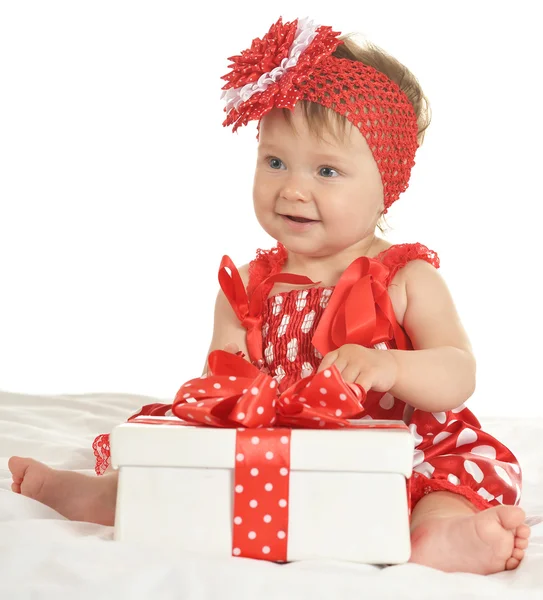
point(328, 172)
point(275, 163)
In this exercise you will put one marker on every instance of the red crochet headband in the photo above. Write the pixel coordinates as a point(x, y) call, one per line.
point(293, 62)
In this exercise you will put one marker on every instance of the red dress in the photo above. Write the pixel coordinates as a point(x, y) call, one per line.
point(452, 453)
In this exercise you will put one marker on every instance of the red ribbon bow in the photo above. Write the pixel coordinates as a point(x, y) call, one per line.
point(237, 394)
point(360, 310)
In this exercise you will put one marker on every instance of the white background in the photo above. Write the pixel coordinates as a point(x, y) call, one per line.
point(120, 190)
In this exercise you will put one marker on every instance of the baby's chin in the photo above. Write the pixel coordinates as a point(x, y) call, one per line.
point(307, 244)
point(306, 248)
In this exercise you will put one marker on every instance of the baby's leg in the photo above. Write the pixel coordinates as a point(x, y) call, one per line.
point(76, 496)
point(448, 533)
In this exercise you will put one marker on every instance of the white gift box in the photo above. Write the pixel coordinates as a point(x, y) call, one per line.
point(347, 490)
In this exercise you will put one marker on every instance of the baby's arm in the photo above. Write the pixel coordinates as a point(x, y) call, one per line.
point(228, 333)
point(439, 374)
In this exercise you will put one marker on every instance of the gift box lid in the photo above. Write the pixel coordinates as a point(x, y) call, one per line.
point(378, 447)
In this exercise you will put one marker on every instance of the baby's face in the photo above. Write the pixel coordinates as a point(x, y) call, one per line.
point(317, 196)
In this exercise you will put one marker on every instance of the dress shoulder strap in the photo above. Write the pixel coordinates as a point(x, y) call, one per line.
point(270, 262)
point(266, 263)
point(399, 255)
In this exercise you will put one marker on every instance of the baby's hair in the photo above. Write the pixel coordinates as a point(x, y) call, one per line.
point(381, 61)
point(319, 118)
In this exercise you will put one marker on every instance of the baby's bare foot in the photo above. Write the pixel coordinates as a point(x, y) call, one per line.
point(486, 542)
point(75, 496)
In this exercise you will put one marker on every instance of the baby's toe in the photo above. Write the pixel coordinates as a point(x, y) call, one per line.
point(16, 487)
point(523, 531)
point(518, 554)
point(521, 543)
point(512, 563)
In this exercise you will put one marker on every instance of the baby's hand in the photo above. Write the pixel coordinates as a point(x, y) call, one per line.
point(232, 348)
point(371, 369)
point(260, 365)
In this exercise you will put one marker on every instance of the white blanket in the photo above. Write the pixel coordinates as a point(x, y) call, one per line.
point(45, 556)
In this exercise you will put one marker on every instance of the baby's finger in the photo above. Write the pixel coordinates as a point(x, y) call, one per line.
point(232, 348)
point(340, 364)
point(350, 373)
point(328, 360)
point(364, 382)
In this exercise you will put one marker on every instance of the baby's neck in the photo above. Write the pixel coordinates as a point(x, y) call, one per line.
point(328, 269)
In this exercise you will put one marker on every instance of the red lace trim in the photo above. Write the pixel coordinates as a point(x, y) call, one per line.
point(102, 452)
point(422, 485)
point(399, 255)
point(101, 446)
point(270, 262)
point(266, 263)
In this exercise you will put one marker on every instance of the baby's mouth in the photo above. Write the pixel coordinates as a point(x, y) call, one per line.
point(299, 219)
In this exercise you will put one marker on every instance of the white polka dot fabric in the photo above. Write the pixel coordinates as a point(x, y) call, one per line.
point(261, 494)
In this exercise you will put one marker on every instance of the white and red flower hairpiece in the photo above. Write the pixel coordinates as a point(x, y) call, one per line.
point(269, 73)
point(295, 61)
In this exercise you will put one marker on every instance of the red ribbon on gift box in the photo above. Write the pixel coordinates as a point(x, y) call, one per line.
point(238, 395)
